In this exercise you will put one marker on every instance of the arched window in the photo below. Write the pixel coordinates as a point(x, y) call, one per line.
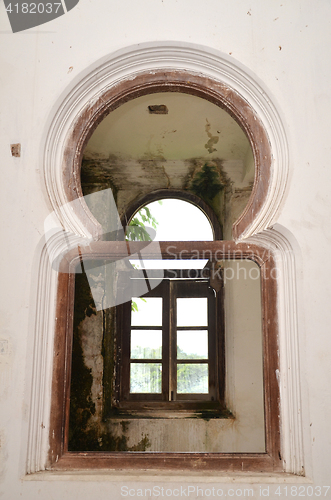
point(171, 340)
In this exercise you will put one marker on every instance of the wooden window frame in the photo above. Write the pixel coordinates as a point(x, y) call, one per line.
point(168, 400)
point(59, 456)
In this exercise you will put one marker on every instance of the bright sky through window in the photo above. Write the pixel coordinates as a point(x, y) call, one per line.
point(178, 220)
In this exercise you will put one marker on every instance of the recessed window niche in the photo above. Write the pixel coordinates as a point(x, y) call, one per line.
point(132, 401)
point(187, 175)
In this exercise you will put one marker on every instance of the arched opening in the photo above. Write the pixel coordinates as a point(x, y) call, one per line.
point(222, 96)
point(177, 219)
point(173, 219)
point(165, 351)
point(192, 147)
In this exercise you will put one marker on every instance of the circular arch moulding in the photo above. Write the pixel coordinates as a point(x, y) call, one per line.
point(167, 66)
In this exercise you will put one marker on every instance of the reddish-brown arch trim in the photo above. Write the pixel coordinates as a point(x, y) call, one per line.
point(171, 81)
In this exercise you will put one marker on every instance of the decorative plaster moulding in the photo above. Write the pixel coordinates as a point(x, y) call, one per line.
point(155, 57)
point(289, 373)
point(123, 65)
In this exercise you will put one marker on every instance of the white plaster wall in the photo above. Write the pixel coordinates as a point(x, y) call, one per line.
point(243, 355)
point(287, 46)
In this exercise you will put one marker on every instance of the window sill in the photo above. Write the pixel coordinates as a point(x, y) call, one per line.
point(205, 410)
point(131, 476)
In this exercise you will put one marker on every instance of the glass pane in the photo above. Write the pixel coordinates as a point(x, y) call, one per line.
point(192, 311)
point(149, 311)
point(146, 377)
point(192, 344)
point(179, 220)
point(146, 344)
point(192, 378)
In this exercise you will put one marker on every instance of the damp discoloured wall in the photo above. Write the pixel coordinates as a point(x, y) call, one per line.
point(244, 351)
point(152, 175)
point(132, 158)
point(243, 431)
point(135, 153)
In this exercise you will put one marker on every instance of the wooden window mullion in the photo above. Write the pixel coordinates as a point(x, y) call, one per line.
point(165, 341)
point(212, 352)
point(172, 341)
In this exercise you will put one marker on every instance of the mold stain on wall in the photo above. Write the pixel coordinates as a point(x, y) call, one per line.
point(212, 180)
point(88, 431)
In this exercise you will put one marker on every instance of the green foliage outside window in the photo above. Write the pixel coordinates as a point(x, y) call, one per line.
point(192, 378)
point(136, 231)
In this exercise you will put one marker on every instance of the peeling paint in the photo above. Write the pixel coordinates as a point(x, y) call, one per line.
point(213, 139)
